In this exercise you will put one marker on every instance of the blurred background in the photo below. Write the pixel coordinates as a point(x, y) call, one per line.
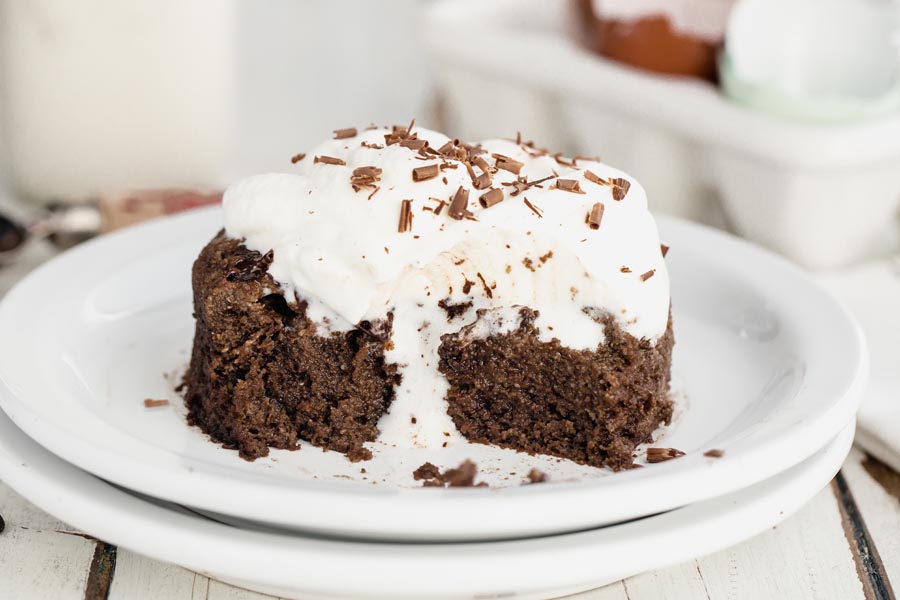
point(778, 120)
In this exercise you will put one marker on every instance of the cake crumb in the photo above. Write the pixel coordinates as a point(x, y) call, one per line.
point(461, 476)
point(657, 455)
point(151, 403)
point(426, 471)
point(714, 453)
point(535, 476)
point(359, 454)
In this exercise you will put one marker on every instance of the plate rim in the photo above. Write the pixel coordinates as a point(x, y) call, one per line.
point(193, 487)
point(168, 533)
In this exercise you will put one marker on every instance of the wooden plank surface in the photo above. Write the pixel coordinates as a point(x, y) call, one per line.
point(814, 555)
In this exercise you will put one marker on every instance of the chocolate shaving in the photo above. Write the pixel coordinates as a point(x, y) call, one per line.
point(406, 216)
point(459, 203)
point(298, 157)
point(507, 164)
point(448, 148)
point(365, 144)
point(664, 249)
point(487, 288)
point(375, 191)
point(482, 182)
point(414, 144)
point(425, 173)
point(482, 164)
point(521, 184)
point(440, 207)
point(714, 453)
point(590, 176)
point(620, 188)
point(624, 269)
point(151, 403)
point(533, 208)
point(341, 134)
point(328, 160)
point(558, 157)
point(569, 185)
point(647, 275)
point(490, 198)
point(657, 455)
point(365, 177)
point(467, 285)
point(595, 216)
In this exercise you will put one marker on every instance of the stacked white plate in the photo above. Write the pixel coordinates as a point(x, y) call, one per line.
point(768, 369)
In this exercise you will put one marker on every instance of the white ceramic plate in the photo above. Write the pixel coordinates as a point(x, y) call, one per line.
point(771, 367)
point(297, 566)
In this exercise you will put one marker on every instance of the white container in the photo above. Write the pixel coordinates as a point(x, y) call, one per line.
point(99, 96)
point(824, 195)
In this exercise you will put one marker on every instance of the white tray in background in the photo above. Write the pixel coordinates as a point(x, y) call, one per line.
point(824, 195)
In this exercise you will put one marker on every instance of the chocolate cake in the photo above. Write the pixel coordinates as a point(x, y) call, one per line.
point(260, 377)
point(411, 290)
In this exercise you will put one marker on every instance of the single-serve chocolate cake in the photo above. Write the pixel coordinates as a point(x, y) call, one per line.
point(403, 287)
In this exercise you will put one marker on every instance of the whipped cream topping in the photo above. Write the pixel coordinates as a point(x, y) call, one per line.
point(358, 248)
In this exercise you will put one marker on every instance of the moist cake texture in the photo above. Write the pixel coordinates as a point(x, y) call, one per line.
point(261, 377)
point(402, 287)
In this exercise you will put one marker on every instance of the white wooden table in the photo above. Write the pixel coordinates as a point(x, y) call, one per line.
point(844, 545)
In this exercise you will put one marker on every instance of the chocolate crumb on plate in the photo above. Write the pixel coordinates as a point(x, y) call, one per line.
point(714, 453)
point(536, 476)
point(664, 249)
point(151, 403)
point(647, 275)
point(426, 471)
point(658, 455)
point(298, 157)
point(461, 476)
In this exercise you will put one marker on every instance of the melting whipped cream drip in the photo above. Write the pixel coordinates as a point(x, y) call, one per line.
point(340, 247)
